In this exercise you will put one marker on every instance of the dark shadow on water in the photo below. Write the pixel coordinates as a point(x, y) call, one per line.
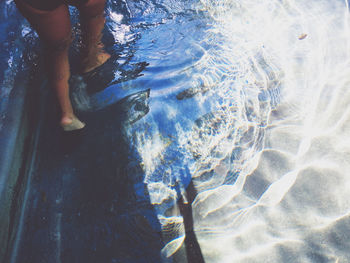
point(193, 250)
point(88, 202)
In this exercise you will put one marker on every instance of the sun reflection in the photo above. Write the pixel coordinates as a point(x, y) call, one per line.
point(266, 131)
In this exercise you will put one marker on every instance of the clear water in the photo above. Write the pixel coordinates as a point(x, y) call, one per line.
point(19, 51)
point(249, 100)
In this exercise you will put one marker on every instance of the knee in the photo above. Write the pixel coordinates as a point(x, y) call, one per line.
point(59, 45)
point(63, 44)
point(92, 9)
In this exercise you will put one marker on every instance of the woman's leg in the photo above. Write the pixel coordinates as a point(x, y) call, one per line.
point(92, 22)
point(54, 29)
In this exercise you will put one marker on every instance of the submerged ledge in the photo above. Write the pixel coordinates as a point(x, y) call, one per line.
point(17, 138)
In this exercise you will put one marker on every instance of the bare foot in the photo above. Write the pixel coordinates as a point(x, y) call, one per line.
point(71, 123)
point(95, 60)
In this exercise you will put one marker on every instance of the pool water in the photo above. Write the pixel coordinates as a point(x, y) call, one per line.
point(217, 132)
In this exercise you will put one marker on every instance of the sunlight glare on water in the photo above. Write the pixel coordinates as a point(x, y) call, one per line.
point(246, 99)
point(249, 101)
point(292, 204)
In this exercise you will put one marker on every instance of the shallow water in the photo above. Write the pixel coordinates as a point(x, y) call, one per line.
point(248, 100)
point(12, 60)
point(253, 108)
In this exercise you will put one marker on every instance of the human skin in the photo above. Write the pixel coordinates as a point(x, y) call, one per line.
point(54, 30)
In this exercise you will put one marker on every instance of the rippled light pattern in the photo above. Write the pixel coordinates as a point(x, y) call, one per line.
point(248, 101)
point(262, 131)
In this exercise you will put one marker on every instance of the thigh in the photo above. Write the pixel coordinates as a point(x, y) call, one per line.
point(91, 8)
point(47, 5)
point(52, 26)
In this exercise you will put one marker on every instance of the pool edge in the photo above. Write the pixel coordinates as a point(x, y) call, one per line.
point(16, 147)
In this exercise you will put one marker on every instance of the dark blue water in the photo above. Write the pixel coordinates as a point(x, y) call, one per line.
point(88, 199)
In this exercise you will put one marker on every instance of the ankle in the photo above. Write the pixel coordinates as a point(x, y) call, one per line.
point(71, 124)
point(67, 118)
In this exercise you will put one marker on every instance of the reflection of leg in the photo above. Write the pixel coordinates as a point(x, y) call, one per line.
point(54, 30)
point(92, 22)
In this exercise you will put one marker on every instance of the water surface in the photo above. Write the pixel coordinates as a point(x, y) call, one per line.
point(247, 101)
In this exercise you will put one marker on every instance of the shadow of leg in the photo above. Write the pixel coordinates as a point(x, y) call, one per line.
point(193, 250)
